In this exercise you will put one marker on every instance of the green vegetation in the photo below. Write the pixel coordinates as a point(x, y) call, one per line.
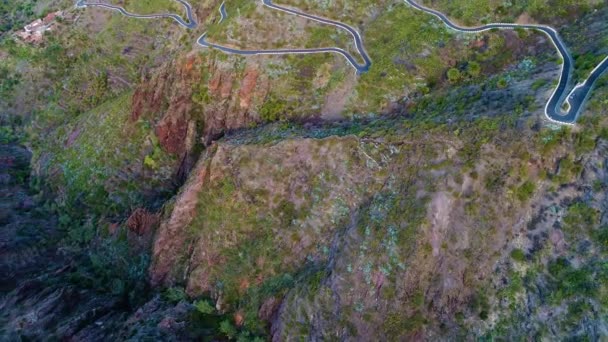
point(228, 329)
point(518, 255)
point(154, 7)
point(397, 324)
point(539, 83)
point(204, 307)
point(584, 64)
point(175, 294)
point(109, 267)
point(386, 46)
point(100, 143)
point(329, 36)
point(600, 237)
point(580, 218)
point(273, 109)
point(15, 14)
point(100, 164)
point(220, 210)
point(569, 170)
point(568, 281)
point(475, 12)
point(9, 79)
point(454, 75)
point(473, 69)
point(525, 191)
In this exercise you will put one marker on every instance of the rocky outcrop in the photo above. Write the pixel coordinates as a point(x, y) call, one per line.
point(142, 222)
point(280, 213)
point(385, 231)
point(43, 293)
point(198, 91)
point(388, 240)
point(172, 236)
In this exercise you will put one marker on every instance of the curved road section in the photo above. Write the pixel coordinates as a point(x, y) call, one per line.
point(191, 23)
point(223, 14)
point(573, 101)
point(361, 68)
point(553, 110)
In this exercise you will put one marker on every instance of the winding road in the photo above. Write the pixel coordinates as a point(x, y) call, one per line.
point(553, 109)
point(573, 100)
point(361, 68)
point(191, 23)
point(223, 14)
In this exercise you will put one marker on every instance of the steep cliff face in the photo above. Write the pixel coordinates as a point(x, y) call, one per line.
point(458, 215)
point(198, 97)
point(408, 235)
point(278, 215)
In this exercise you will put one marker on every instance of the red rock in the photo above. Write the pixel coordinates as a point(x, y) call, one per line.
point(142, 222)
point(172, 135)
point(167, 323)
point(214, 84)
point(268, 308)
point(239, 319)
point(226, 87)
point(247, 86)
point(169, 99)
point(49, 18)
point(170, 239)
point(113, 228)
point(72, 137)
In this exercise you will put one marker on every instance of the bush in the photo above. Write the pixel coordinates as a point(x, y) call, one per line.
point(600, 237)
point(454, 75)
point(583, 143)
point(150, 163)
point(518, 255)
point(502, 83)
point(228, 329)
point(273, 109)
point(204, 307)
point(580, 216)
point(473, 69)
point(175, 294)
point(569, 281)
point(525, 191)
point(539, 84)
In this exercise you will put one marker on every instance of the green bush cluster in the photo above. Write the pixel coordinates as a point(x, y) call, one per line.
point(568, 281)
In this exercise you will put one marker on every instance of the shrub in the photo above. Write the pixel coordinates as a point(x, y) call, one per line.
point(502, 83)
point(149, 162)
point(273, 109)
point(600, 237)
point(175, 294)
point(518, 255)
point(228, 329)
point(525, 191)
point(539, 84)
point(204, 307)
point(454, 75)
point(473, 69)
point(569, 281)
point(580, 216)
point(583, 143)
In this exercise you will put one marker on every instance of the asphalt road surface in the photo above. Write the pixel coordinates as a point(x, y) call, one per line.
point(573, 100)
